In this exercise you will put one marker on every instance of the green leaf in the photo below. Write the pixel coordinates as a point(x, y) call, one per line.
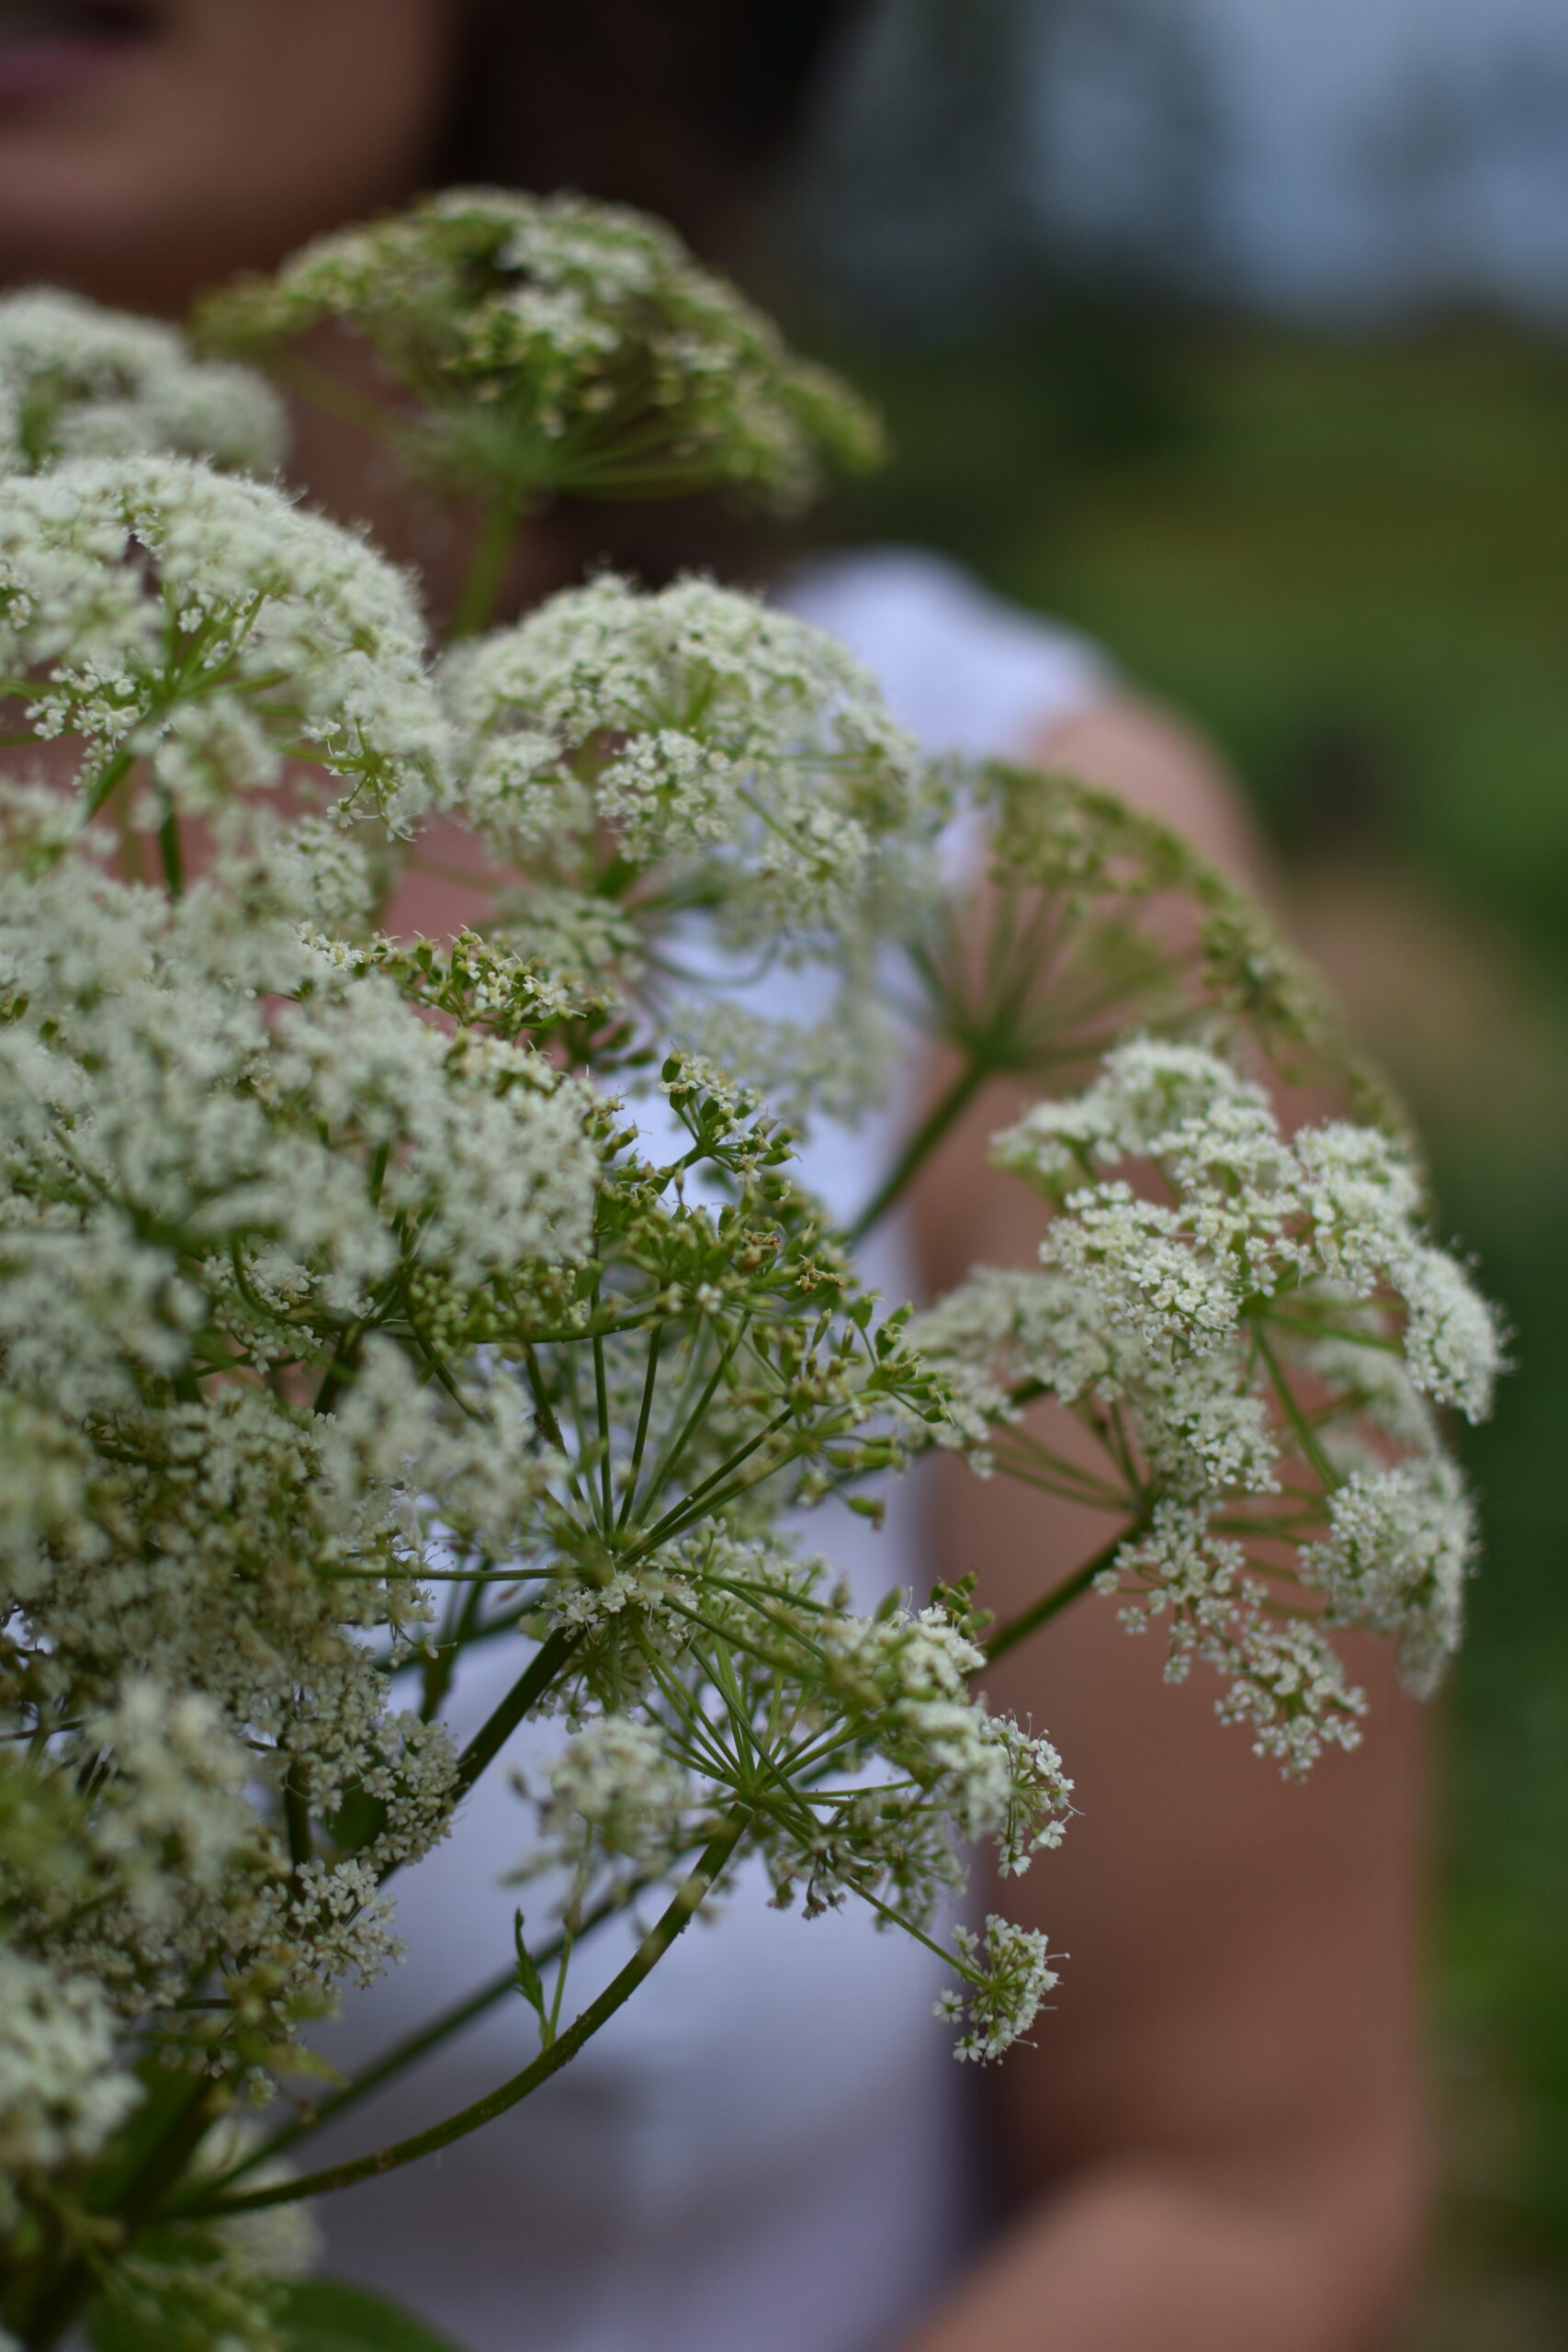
point(113, 2325)
point(330, 2315)
point(166, 2090)
point(529, 1982)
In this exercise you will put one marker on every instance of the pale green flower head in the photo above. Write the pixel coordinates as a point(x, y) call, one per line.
point(80, 382)
point(730, 780)
point(60, 2092)
point(1401, 1544)
point(1007, 1974)
point(553, 343)
point(1231, 1331)
point(740, 752)
point(205, 627)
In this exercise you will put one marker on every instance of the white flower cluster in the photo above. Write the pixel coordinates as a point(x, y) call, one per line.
point(719, 763)
point(553, 342)
point(1401, 1543)
point(143, 1079)
point(657, 766)
point(617, 1779)
point(910, 1674)
point(61, 2092)
point(1258, 1213)
point(742, 752)
point(78, 381)
point(221, 1196)
point(201, 625)
point(1234, 1325)
point(1284, 1679)
point(115, 1867)
point(1007, 1974)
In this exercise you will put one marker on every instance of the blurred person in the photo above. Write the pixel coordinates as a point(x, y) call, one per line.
point(1217, 2142)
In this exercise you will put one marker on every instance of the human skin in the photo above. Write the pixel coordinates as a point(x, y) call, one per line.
point(205, 136)
point(1217, 2140)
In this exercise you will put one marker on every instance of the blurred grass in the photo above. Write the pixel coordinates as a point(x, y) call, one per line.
point(1348, 562)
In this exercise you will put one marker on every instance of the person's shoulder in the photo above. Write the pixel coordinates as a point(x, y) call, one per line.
point(1159, 763)
point(966, 671)
point(962, 668)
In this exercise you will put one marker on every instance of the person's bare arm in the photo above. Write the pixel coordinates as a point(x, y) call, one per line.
point(1217, 2141)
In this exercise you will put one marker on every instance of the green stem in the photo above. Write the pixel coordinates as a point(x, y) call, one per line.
point(437, 1671)
point(332, 396)
point(701, 1503)
point(689, 1420)
point(601, 1405)
point(547, 1420)
point(173, 856)
point(340, 1371)
point(480, 591)
point(115, 774)
point(650, 1381)
point(1017, 1629)
point(1312, 1451)
point(402, 2054)
point(413, 2046)
point(297, 1815)
point(74, 2289)
point(429, 2038)
point(529, 1687)
point(921, 1144)
point(687, 1901)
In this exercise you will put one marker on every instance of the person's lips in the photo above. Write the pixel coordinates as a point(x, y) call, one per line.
point(49, 48)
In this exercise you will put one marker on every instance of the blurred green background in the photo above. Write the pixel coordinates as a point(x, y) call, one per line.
point(1348, 560)
point(1339, 544)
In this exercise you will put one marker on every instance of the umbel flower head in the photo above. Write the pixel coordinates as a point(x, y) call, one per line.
point(728, 781)
point(700, 729)
point(78, 381)
point(1256, 1337)
point(555, 344)
point(204, 625)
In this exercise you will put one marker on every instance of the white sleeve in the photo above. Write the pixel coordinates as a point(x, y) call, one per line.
point(961, 669)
